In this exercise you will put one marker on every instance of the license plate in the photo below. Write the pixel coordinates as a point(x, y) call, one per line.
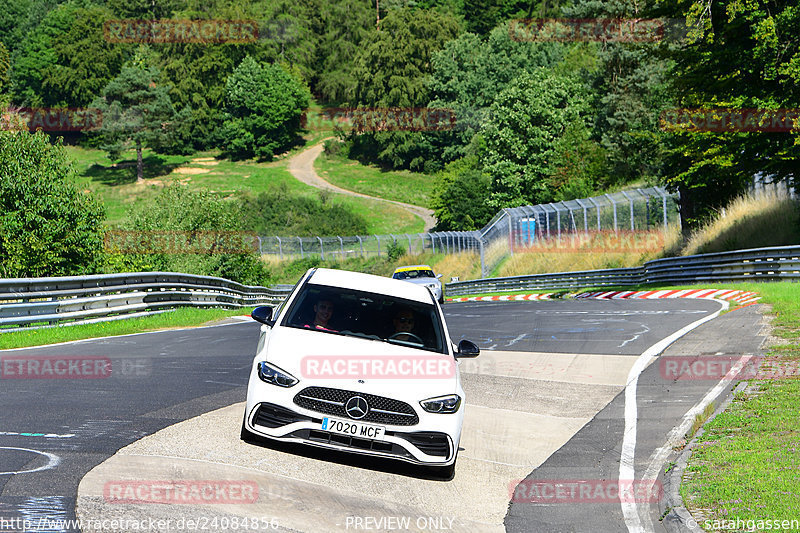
point(353, 429)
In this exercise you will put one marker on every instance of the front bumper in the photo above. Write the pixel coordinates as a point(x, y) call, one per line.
point(413, 445)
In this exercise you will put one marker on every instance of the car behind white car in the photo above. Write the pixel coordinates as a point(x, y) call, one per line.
point(361, 364)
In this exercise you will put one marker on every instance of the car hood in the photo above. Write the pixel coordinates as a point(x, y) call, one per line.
point(313, 356)
point(423, 281)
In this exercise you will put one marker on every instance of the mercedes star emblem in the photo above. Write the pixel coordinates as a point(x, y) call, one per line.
point(356, 407)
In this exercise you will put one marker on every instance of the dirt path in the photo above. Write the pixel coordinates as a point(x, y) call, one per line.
point(302, 167)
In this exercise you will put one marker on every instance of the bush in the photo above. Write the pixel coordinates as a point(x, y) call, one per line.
point(47, 227)
point(264, 104)
point(188, 216)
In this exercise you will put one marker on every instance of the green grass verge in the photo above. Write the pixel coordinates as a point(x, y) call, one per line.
point(179, 318)
point(746, 463)
point(403, 186)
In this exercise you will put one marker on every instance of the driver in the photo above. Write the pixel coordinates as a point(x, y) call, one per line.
point(404, 325)
point(323, 311)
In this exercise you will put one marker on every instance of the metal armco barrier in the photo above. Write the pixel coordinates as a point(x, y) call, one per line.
point(780, 263)
point(37, 302)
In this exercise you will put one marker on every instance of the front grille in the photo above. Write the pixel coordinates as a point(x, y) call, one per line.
point(315, 435)
point(428, 442)
point(274, 416)
point(381, 410)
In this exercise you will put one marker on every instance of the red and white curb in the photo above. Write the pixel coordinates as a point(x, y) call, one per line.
point(505, 298)
point(740, 297)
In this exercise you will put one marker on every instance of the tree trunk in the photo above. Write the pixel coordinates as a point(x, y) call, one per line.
point(139, 163)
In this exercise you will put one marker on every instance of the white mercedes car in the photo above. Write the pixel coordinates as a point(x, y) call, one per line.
point(362, 364)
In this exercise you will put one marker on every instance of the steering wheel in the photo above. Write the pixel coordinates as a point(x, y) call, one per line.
point(419, 340)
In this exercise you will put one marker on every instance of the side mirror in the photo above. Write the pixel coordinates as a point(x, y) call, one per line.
point(264, 315)
point(438, 276)
point(467, 349)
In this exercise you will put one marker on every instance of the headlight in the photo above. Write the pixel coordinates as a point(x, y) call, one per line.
point(275, 376)
point(442, 404)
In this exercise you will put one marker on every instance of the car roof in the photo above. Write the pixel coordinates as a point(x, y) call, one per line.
point(413, 267)
point(367, 282)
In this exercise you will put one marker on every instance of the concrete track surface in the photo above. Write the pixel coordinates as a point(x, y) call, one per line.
point(544, 401)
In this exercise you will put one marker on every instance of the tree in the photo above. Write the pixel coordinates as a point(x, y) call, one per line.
point(66, 60)
point(47, 227)
point(527, 122)
point(469, 72)
point(5, 65)
point(740, 55)
point(264, 104)
point(459, 198)
point(392, 70)
point(346, 25)
point(136, 111)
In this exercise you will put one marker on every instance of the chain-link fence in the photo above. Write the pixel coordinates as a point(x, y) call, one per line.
point(512, 229)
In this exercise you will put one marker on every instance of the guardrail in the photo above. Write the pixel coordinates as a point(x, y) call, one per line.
point(777, 263)
point(43, 302)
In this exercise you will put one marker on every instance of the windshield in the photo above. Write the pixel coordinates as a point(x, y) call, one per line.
point(413, 274)
point(367, 315)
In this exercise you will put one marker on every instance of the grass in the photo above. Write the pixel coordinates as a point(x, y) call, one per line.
point(116, 186)
point(588, 252)
point(179, 318)
point(402, 186)
point(746, 463)
point(768, 218)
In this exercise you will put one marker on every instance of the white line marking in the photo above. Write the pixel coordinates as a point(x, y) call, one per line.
point(52, 461)
point(660, 455)
point(626, 462)
point(45, 435)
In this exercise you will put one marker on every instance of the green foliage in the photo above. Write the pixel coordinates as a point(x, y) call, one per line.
point(5, 65)
point(47, 227)
point(459, 199)
point(137, 111)
point(12, 13)
point(394, 250)
point(469, 72)
point(391, 71)
point(527, 122)
point(186, 213)
point(346, 25)
point(264, 104)
point(743, 55)
point(279, 212)
point(66, 60)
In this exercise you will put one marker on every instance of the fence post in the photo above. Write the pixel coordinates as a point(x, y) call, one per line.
point(615, 211)
point(260, 251)
point(280, 247)
point(433, 242)
point(585, 217)
point(379, 244)
point(341, 246)
point(301, 247)
point(409, 243)
point(321, 249)
point(361, 244)
point(597, 209)
point(510, 232)
point(483, 258)
point(630, 201)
